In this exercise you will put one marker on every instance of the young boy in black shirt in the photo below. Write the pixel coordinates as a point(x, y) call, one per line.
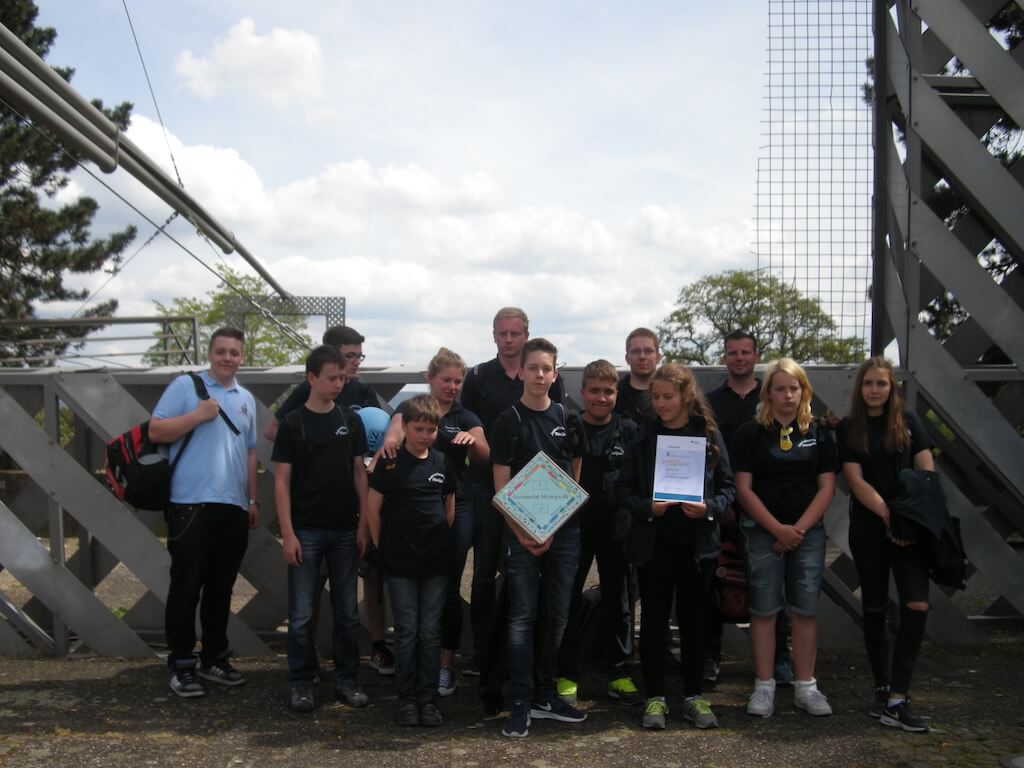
point(320, 488)
point(411, 506)
point(536, 424)
point(603, 437)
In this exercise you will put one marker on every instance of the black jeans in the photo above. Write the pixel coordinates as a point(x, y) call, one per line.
point(488, 534)
point(614, 615)
point(673, 569)
point(874, 556)
point(206, 543)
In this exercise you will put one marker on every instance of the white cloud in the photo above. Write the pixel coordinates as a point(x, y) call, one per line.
point(283, 68)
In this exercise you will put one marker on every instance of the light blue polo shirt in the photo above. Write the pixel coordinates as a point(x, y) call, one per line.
point(213, 468)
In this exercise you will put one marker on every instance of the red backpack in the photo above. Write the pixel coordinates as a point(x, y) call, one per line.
point(137, 468)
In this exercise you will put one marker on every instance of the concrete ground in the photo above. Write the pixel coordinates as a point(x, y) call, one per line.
point(100, 712)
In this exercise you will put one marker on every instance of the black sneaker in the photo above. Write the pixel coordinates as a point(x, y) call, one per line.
point(183, 682)
point(711, 670)
point(784, 674)
point(408, 713)
point(879, 703)
point(300, 698)
point(348, 693)
point(430, 715)
point(556, 708)
point(517, 726)
point(221, 672)
point(900, 715)
point(471, 668)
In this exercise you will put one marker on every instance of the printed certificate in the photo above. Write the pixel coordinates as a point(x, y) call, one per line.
point(679, 468)
point(541, 497)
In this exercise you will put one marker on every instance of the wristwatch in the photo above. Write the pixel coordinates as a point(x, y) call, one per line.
point(255, 503)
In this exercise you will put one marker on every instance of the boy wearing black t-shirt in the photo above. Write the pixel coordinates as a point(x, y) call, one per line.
point(320, 489)
point(411, 506)
point(536, 424)
point(603, 437)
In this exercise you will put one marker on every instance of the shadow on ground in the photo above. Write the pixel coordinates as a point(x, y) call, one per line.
point(102, 712)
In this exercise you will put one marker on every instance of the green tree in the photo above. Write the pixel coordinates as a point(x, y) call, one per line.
point(266, 344)
point(42, 242)
point(784, 321)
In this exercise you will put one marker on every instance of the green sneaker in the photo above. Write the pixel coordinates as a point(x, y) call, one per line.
point(698, 711)
point(654, 714)
point(566, 690)
point(623, 689)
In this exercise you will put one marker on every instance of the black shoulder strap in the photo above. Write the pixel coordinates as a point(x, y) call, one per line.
point(203, 394)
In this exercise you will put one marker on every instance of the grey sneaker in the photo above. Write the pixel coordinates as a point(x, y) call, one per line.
point(698, 711)
point(811, 700)
point(347, 693)
point(183, 682)
point(761, 702)
point(446, 683)
point(300, 698)
point(654, 713)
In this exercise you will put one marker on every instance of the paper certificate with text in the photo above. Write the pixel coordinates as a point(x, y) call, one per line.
point(679, 468)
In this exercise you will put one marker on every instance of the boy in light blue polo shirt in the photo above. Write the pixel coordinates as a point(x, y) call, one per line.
point(213, 504)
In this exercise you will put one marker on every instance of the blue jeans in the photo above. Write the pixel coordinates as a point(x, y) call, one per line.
point(416, 604)
point(461, 534)
point(523, 573)
point(768, 571)
point(339, 549)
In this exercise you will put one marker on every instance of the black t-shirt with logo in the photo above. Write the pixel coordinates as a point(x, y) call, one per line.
point(321, 448)
point(521, 432)
point(414, 536)
point(634, 403)
point(458, 419)
point(602, 447)
point(354, 395)
point(881, 469)
point(785, 481)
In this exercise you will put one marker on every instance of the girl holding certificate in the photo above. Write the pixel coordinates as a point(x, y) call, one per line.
point(876, 441)
point(785, 479)
point(675, 543)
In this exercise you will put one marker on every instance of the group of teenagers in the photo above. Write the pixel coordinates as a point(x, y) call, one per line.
point(405, 516)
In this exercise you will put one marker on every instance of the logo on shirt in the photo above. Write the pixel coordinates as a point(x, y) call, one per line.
point(809, 442)
point(617, 451)
point(341, 431)
point(437, 477)
point(244, 409)
point(450, 430)
point(558, 431)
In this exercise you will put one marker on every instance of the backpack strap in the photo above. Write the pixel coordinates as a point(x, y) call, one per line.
point(203, 394)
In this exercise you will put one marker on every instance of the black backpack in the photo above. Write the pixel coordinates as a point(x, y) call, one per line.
point(137, 468)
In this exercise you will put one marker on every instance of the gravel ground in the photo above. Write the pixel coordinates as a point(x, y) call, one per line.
point(93, 711)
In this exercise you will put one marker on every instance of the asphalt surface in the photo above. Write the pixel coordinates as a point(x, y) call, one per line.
point(93, 711)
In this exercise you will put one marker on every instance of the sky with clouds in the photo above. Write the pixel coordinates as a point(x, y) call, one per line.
point(431, 162)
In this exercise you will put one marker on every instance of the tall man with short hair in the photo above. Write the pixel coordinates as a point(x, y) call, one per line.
point(213, 506)
point(489, 389)
point(734, 403)
point(642, 357)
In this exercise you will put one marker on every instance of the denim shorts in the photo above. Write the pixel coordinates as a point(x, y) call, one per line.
point(798, 571)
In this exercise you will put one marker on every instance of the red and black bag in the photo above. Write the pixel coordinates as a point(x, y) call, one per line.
point(733, 595)
point(137, 468)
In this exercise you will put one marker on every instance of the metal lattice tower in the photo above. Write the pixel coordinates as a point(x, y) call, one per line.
point(814, 171)
point(949, 103)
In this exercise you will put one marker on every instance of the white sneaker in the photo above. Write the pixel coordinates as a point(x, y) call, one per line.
point(762, 701)
point(807, 697)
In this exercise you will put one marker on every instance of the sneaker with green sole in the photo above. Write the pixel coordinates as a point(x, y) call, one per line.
point(624, 690)
point(567, 690)
point(654, 714)
point(698, 711)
